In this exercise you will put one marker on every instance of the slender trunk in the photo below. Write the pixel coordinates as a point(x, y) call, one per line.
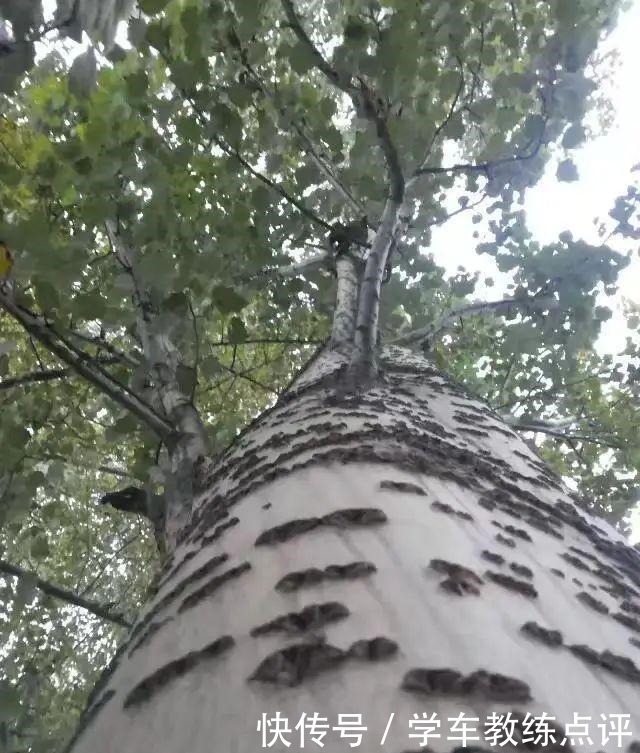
point(396, 551)
point(189, 442)
point(348, 272)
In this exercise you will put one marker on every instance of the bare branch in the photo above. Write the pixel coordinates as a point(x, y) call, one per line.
point(342, 82)
point(299, 205)
point(514, 17)
point(312, 264)
point(63, 594)
point(48, 375)
point(462, 209)
point(446, 120)
point(478, 167)
point(427, 334)
point(552, 431)
point(101, 343)
point(269, 341)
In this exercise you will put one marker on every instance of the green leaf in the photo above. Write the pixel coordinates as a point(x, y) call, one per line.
point(210, 367)
point(301, 58)
point(227, 300)
point(39, 548)
point(228, 121)
point(573, 136)
point(137, 84)
point(237, 333)
point(567, 171)
point(158, 36)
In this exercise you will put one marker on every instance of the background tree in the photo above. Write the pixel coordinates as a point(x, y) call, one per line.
point(180, 205)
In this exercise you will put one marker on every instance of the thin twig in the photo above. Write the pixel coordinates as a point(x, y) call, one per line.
point(62, 593)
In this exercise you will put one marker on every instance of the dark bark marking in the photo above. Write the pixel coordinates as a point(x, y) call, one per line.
point(634, 642)
point(519, 533)
point(557, 572)
point(474, 432)
point(403, 486)
point(505, 540)
point(145, 637)
point(356, 516)
point(618, 665)
point(373, 649)
point(486, 502)
point(481, 684)
point(311, 617)
point(624, 619)
point(522, 570)
point(213, 585)
point(201, 572)
point(294, 664)
point(187, 558)
point(287, 531)
point(445, 508)
point(591, 601)
point(551, 638)
point(629, 606)
point(267, 506)
point(586, 555)
point(497, 559)
point(219, 530)
point(313, 575)
point(460, 580)
point(442, 507)
point(541, 524)
point(577, 563)
point(145, 689)
point(206, 518)
point(577, 582)
point(512, 584)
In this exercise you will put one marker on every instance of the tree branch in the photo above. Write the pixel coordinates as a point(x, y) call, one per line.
point(427, 334)
point(308, 145)
point(478, 167)
point(63, 594)
point(363, 98)
point(553, 431)
point(312, 264)
point(42, 330)
point(233, 152)
point(47, 375)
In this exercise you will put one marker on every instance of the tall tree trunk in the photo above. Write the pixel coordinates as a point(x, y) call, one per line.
point(348, 547)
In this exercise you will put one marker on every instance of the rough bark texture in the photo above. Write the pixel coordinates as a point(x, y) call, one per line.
point(350, 545)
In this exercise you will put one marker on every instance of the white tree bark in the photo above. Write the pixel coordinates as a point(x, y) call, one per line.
point(348, 546)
